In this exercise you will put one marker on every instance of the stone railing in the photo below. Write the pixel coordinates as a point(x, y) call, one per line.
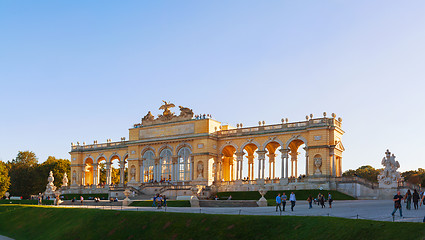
point(282, 127)
point(359, 180)
point(97, 146)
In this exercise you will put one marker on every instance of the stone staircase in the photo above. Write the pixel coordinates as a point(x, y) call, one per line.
point(228, 203)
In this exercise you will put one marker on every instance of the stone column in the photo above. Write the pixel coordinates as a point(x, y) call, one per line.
point(250, 167)
point(156, 174)
point(239, 158)
point(122, 173)
point(271, 162)
point(306, 161)
point(191, 167)
point(95, 174)
point(284, 155)
point(294, 161)
point(141, 172)
point(261, 160)
point(332, 155)
point(83, 175)
point(175, 176)
point(108, 174)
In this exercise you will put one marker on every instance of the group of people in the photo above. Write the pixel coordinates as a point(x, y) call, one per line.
point(281, 201)
point(320, 200)
point(159, 201)
point(416, 197)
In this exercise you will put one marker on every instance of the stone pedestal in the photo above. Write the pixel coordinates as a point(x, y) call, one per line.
point(194, 201)
point(263, 201)
point(127, 200)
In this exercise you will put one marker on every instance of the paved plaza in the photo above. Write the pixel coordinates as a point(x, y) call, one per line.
point(379, 210)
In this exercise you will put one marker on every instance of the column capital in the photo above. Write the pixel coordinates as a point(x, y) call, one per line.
point(284, 150)
point(261, 154)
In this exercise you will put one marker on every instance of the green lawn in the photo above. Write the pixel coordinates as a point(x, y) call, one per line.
point(148, 203)
point(33, 222)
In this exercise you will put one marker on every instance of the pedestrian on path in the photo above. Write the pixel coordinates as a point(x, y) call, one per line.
point(408, 199)
point(278, 203)
point(283, 198)
point(293, 200)
point(81, 199)
point(310, 200)
point(330, 200)
point(397, 204)
point(415, 198)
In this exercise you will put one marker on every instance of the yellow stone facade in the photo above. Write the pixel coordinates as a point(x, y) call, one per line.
point(199, 150)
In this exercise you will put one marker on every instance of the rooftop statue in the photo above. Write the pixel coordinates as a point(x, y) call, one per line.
point(389, 177)
point(167, 115)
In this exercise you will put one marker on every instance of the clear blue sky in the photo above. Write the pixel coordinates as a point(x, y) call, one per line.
point(88, 70)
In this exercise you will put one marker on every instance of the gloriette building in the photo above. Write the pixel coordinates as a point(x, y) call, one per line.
point(172, 152)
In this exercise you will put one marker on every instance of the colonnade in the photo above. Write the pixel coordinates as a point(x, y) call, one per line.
point(236, 174)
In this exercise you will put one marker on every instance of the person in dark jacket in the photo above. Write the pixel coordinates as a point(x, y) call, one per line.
point(415, 198)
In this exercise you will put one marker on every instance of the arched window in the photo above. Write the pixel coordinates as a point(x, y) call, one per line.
point(148, 166)
point(166, 164)
point(184, 164)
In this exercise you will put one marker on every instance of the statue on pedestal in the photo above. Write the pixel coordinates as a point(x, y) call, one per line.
point(50, 187)
point(389, 177)
point(65, 180)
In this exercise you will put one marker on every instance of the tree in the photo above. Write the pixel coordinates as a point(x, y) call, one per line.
point(367, 172)
point(4, 179)
point(23, 178)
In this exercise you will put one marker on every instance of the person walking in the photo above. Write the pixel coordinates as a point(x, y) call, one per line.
point(330, 200)
point(283, 198)
point(408, 199)
point(81, 199)
point(278, 203)
point(322, 200)
point(154, 200)
point(415, 198)
point(293, 200)
point(397, 204)
point(310, 201)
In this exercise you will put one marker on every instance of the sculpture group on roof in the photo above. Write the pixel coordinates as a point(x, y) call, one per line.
point(167, 115)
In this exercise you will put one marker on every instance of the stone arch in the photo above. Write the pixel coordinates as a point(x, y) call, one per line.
point(229, 144)
point(125, 156)
point(88, 157)
point(165, 146)
point(101, 155)
point(273, 139)
point(147, 148)
point(114, 155)
point(259, 147)
point(293, 138)
point(181, 145)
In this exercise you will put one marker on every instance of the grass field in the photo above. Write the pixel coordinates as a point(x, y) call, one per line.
point(32, 222)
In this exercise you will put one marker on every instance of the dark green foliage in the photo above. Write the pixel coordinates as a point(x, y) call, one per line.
point(271, 195)
point(4, 179)
point(180, 203)
point(367, 172)
point(102, 196)
point(26, 202)
point(25, 222)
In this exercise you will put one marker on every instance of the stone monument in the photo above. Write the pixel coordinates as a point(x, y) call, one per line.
point(262, 202)
point(389, 177)
point(65, 180)
point(50, 187)
point(194, 200)
point(127, 200)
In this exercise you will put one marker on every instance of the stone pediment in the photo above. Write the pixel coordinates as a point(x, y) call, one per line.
point(167, 116)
